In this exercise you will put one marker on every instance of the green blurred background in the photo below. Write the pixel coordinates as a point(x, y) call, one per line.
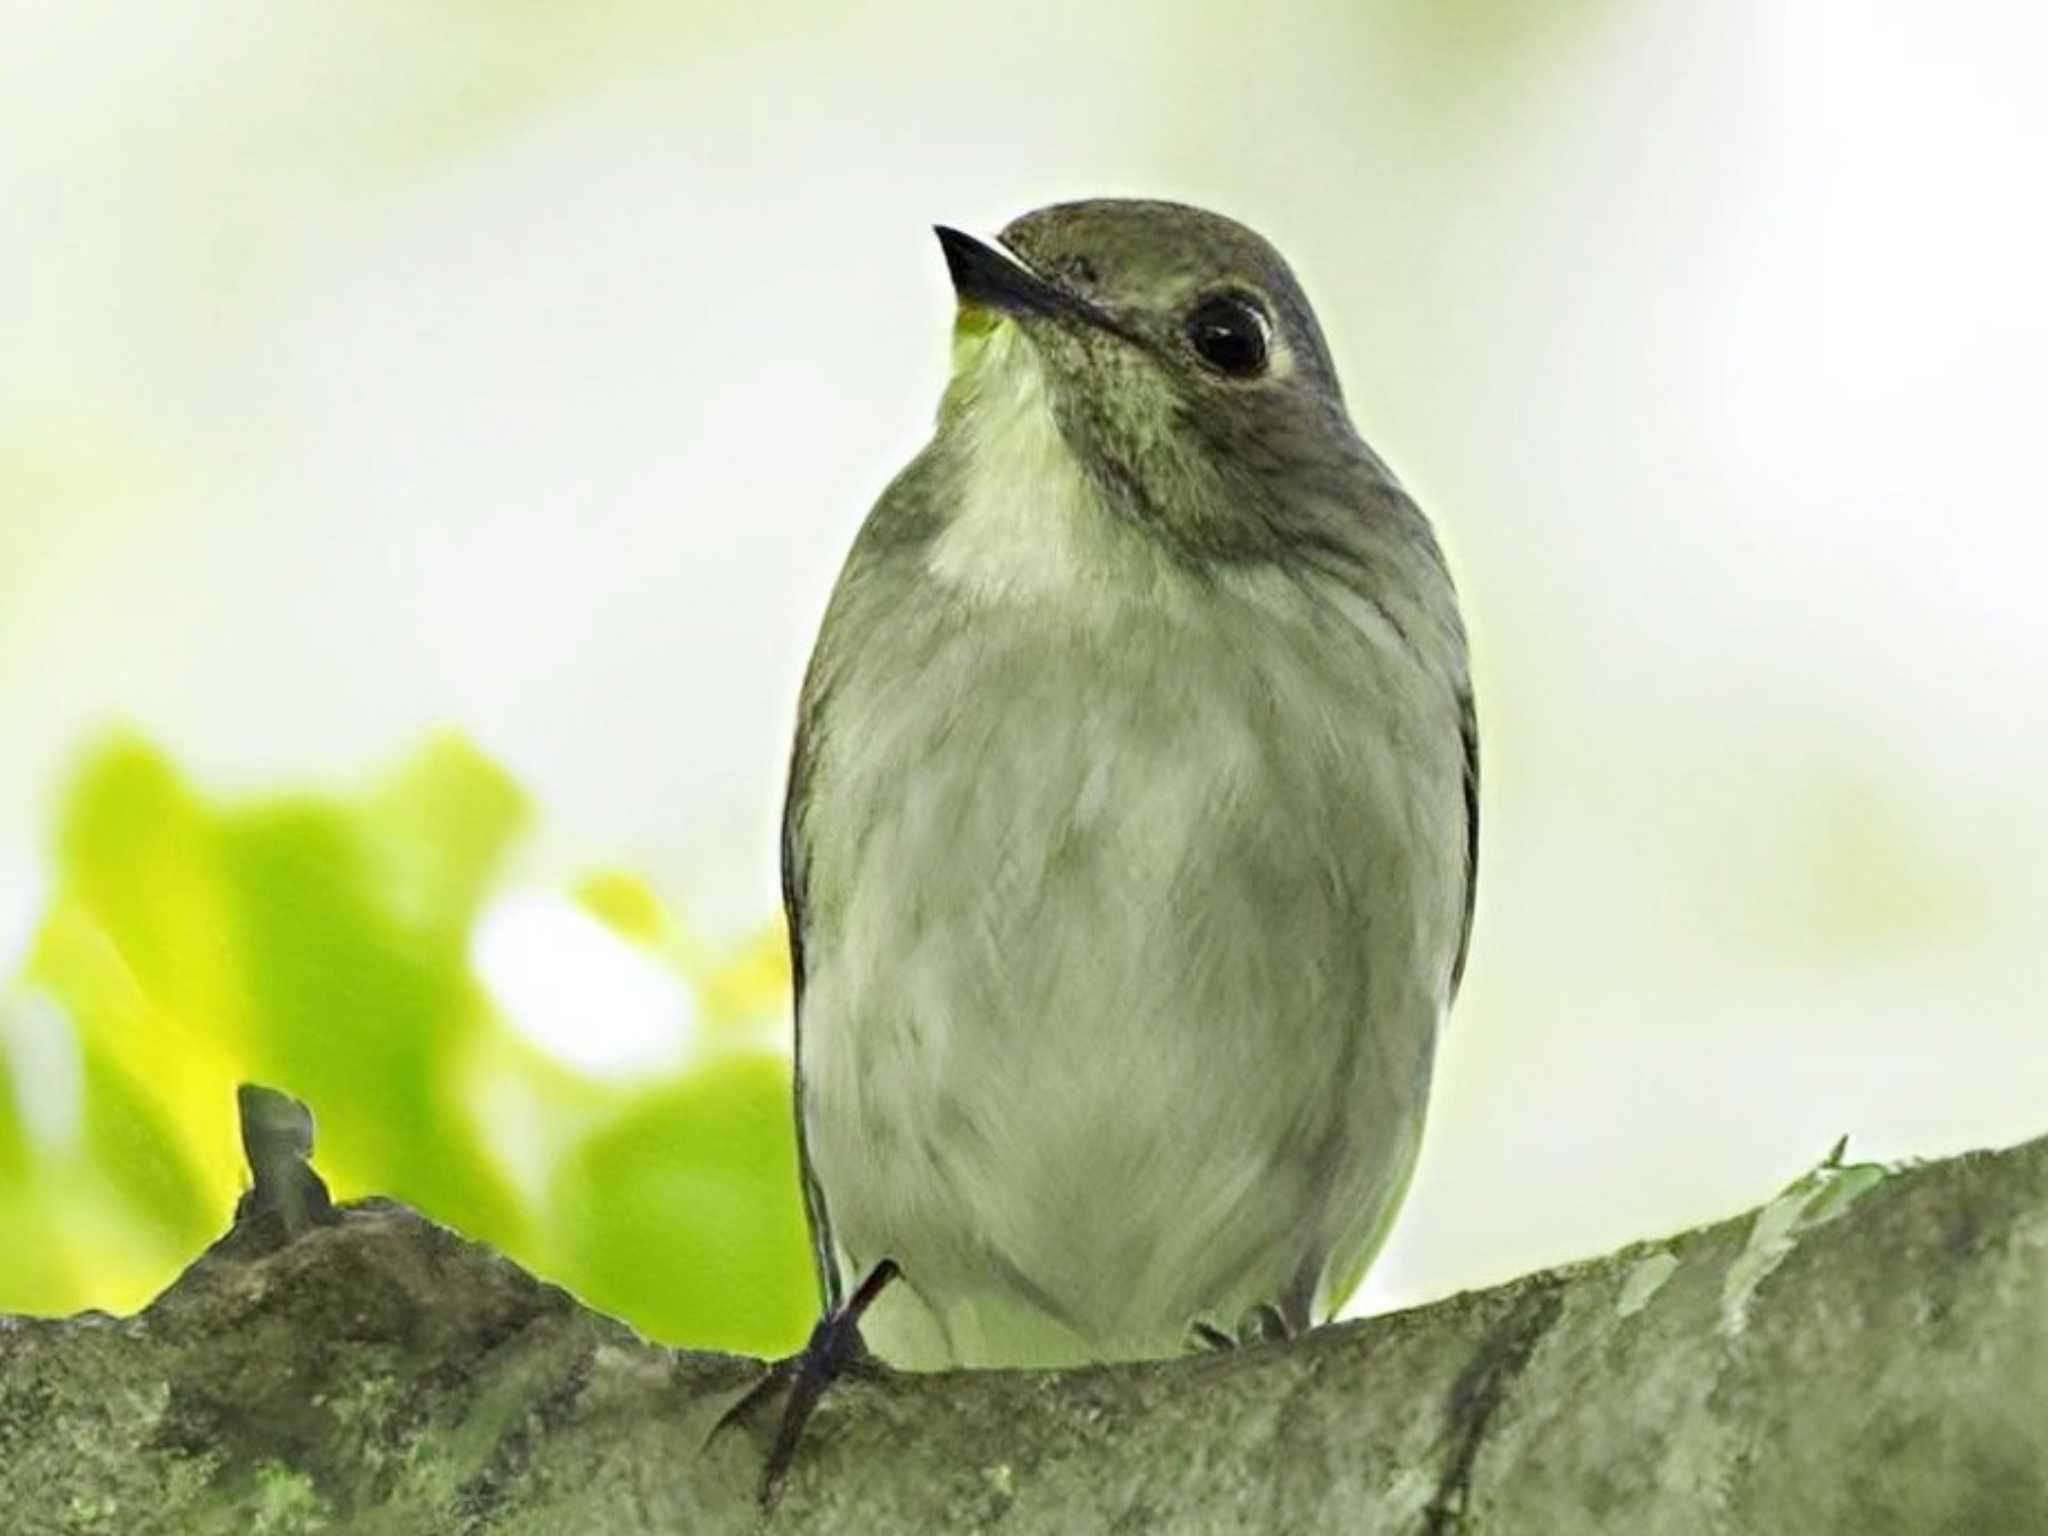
point(341, 945)
point(428, 432)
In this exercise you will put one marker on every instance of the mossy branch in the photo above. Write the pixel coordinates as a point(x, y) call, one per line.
point(1867, 1353)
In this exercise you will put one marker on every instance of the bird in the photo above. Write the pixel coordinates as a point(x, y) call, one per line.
point(1131, 833)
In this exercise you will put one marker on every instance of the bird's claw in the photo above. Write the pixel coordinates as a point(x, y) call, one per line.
point(1262, 1324)
point(833, 1350)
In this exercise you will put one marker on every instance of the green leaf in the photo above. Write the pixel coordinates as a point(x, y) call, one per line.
point(362, 1011)
point(14, 1150)
point(683, 1216)
point(134, 1145)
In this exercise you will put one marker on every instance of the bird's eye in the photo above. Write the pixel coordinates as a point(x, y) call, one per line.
point(1231, 334)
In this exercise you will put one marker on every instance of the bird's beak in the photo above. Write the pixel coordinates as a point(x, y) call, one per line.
point(984, 276)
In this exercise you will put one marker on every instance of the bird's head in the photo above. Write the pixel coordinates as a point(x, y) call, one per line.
point(1172, 350)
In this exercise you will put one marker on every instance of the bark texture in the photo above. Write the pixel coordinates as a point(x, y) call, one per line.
point(1867, 1353)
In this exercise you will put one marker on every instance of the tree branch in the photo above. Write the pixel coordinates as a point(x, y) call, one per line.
point(1868, 1353)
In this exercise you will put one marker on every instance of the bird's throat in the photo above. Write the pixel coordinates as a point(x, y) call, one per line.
point(1025, 519)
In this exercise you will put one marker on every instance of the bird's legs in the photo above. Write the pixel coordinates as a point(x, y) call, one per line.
point(834, 1350)
point(1262, 1324)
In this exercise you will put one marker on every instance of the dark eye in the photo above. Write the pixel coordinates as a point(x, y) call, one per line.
point(1231, 334)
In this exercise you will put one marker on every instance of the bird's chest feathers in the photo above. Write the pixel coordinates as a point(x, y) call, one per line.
point(1062, 721)
point(1068, 718)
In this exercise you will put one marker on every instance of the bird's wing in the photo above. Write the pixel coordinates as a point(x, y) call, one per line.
point(1468, 730)
point(1366, 556)
point(801, 756)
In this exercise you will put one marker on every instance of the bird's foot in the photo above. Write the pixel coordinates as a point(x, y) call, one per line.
point(1262, 1324)
point(834, 1350)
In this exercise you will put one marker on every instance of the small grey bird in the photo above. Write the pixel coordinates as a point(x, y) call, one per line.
point(1132, 821)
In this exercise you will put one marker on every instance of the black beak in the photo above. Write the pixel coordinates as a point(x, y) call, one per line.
point(984, 275)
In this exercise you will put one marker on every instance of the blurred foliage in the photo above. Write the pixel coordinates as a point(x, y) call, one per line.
point(321, 944)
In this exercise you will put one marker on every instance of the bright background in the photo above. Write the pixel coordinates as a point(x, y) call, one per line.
point(429, 429)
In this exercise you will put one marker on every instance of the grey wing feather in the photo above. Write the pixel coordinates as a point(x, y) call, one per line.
point(830, 1286)
point(1468, 730)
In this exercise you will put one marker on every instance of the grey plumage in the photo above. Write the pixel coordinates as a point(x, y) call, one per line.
point(1132, 823)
